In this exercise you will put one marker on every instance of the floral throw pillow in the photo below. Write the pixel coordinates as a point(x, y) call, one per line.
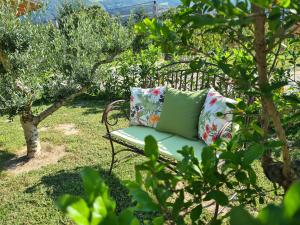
point(209, 123)
point(146, 106)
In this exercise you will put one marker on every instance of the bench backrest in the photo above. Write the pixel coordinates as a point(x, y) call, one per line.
point(191, 81)
point(182, 79)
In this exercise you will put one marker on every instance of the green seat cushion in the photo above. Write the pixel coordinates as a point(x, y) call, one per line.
point(168, 144)
point(171, 145)
point(136, 134)
point(180, 112)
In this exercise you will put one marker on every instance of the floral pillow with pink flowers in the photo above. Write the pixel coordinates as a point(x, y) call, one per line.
point(146, 105)
point(210, 124)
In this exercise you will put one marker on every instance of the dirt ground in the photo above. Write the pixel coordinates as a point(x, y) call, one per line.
point(50, 154)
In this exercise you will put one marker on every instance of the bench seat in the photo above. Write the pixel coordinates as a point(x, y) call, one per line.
point(168, 144)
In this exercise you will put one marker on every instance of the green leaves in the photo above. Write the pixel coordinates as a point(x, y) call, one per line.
point(197, 64)
point(145, 202)
point(127, 217)
point(272, 215)
point(288, 214)
point(79, 212)
point(208, 158)
point(196, 212)
point(158, 221)
point(76, 208)
point(292, 200)
point(218, 196)
point(92, 184)
point(162, 33)
point(99, 212)
point(267, 3)
point(160, 191)
point(284, 3)
point(240, 216)
point(151, 148)
point(97, 208)
point(241, 176)
point(254, 152)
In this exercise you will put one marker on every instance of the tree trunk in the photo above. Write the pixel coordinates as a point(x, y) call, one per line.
point(263, 81)
point(30, 122)
point(31, 136)
point(5, 61)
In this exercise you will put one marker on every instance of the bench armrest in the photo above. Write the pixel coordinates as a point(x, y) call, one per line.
point(114, 106)
point(110, 121)
point(229, 127)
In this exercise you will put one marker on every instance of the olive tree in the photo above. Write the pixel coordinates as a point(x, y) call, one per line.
point(56, 62)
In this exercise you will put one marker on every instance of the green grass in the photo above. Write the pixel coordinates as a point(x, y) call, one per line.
point(29, 198)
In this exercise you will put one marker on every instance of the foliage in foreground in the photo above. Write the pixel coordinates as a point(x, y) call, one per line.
point(97, 207)
point(157, 191)
point(256, 51)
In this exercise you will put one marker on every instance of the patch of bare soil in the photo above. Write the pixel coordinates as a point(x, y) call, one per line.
point(50, 154)
point(42, 129)
point(67, 129)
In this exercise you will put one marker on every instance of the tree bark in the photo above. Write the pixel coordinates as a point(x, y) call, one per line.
point(5, 61)
point(263, 81)
point(31, 136)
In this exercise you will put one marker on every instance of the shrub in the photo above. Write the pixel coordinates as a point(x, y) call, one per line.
point(157, 190)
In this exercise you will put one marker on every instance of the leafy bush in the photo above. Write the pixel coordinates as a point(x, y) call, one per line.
point(131, 70)
point(176, 196)
point(97, 207)
point(288, 213)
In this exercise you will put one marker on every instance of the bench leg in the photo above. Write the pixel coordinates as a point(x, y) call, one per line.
point(112, 156)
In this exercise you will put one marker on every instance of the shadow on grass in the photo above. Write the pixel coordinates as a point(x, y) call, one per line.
point(69, 182)
point(5, 156)
point(92, 106)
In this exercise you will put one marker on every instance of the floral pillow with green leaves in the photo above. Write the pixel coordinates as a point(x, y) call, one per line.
point(146, 105)
point(210, 123)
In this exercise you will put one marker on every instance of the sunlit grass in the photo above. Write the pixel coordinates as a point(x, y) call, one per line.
point(30, 198)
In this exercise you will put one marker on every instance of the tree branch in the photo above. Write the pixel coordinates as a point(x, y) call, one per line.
point(237, 40)
point(281, 35)
point(105, 61)
point(22, 88)
point(43, 115)
point(275, 60)
point(267, 100)
point(5, 61)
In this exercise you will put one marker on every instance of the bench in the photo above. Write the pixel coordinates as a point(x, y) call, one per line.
point(132, 137)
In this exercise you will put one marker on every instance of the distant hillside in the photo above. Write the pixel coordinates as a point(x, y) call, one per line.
point(123, 8)
point(124, 3)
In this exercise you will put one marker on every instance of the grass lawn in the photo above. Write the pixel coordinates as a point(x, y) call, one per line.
point(29, 198)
